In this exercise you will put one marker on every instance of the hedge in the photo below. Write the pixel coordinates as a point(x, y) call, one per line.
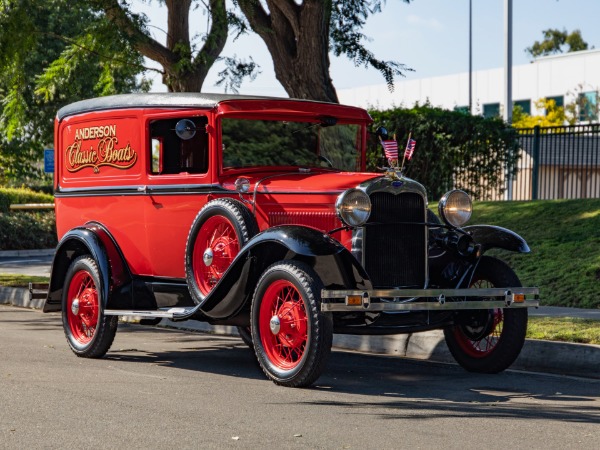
point(27, 230)
point(453, 149)
point(9, 196)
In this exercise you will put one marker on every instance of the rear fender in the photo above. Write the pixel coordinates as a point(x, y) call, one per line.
point(335, 265)
point(94, 240)
point(490, 236)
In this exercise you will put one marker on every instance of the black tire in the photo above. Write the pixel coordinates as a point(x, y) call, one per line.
point(89, 332)
point(291, 336)
point(246, 335)
point(238, 227)
point(489, 341)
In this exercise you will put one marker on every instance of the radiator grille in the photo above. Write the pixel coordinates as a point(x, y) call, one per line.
point(325, 221)
point(395, 253)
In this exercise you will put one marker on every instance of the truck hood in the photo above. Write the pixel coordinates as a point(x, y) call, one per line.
point(295, 181)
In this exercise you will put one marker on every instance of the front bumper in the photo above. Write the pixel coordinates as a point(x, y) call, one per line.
point(427, 299)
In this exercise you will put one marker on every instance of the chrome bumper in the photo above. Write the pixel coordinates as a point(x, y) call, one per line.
point(428, 299)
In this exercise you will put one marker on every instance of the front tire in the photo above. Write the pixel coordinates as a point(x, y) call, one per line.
point(291, 336)
point(89, 332)
point(488, 341)
point(221, 228)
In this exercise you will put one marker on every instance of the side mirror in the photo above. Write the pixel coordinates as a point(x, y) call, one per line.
point(185, 129)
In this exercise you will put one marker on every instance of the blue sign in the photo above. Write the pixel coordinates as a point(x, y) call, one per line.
point(49, 160)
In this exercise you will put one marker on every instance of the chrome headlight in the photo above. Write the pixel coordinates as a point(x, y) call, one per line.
point(455, 208)
point(353, 207)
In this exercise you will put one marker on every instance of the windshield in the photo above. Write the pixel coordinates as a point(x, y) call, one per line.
point(252, 143)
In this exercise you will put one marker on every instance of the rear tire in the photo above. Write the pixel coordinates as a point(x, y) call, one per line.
point(488, 341)
point(291, 336)
point(89, 332)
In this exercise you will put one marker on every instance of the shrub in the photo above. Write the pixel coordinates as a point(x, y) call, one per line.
point(454, 149)
point(9, 196)
point(27, 230)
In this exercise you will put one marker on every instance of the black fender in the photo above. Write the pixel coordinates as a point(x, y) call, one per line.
point(490, 236)
point(335, 265)
point(115, 278)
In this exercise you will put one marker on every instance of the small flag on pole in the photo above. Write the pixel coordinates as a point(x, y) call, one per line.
point(390, 147)
point(410, 148)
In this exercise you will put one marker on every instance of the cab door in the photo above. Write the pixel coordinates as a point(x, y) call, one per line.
point(179, 183)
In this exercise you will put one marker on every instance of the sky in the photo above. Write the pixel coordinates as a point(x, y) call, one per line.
point(429, 36)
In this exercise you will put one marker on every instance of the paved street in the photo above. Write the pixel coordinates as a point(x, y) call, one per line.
point(163, 388)
point(26, 265)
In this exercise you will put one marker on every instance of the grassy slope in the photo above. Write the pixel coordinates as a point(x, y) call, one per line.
point(564, 236)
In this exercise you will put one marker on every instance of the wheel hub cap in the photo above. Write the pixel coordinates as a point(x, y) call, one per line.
point(207, 257)
point(275, 324)
point(75, 307)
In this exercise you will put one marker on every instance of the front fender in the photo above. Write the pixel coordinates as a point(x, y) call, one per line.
point(335, 265)
point(490, 236)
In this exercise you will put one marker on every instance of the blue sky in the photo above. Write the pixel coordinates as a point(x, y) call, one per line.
point(430, 36)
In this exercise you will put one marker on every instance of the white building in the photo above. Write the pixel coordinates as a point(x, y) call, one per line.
point(563, 77)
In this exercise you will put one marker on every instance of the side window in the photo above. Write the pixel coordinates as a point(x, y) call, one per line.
point(170, 154)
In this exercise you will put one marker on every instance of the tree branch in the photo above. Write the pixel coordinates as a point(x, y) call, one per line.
point(142, 42)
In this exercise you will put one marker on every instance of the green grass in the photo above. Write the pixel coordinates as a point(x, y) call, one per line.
point(566, 329)
point(564, 237)
point(14, 280)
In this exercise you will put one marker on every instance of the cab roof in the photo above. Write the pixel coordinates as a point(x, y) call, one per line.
point(177, 100)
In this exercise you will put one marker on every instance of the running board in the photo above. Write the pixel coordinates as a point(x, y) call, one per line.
point(168, 313)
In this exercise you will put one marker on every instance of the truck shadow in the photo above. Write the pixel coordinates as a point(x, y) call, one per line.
point(402, 388)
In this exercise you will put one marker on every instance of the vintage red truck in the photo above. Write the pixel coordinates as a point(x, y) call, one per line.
point(259, 213)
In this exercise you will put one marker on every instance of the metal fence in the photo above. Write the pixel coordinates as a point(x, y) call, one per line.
point(556, 163)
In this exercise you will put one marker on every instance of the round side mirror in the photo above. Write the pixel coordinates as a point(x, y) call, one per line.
point(185, 129)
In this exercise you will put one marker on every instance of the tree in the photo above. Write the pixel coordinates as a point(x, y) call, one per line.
point(299, 36)
point(53, 53)
point(556, 41)
point(555, 115)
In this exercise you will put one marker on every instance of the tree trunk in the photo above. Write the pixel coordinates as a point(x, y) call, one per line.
point(297, 37)
point(182, 72)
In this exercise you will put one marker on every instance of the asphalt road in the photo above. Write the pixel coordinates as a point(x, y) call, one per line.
point(160, 388)
point(26, 265)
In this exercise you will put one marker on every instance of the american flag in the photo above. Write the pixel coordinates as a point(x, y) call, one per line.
point(390, 148)
point(410, 148)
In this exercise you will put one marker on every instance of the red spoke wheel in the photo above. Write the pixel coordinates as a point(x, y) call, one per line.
point(219, 231)
point(292, 337)
point(89, 333)
point(488, 341)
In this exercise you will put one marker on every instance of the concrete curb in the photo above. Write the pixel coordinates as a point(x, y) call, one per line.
point(540, 356)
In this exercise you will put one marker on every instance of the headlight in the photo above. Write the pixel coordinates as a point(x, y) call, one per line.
point(353, 207)
point(455, 208)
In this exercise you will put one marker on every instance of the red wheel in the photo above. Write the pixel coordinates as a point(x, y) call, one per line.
point(282, 321)
point(215, 247)
point(291, 336)
point(488, 341)
point(218, 233)
point(89, 333)
point(480, 340)
point(82, 307)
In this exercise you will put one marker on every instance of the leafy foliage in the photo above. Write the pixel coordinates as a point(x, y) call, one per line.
point(555, 115)
point(453, 150)
point(27, 230)
point(557, 41)
point(10, 196)
point(347, 19)
point(53, 53)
